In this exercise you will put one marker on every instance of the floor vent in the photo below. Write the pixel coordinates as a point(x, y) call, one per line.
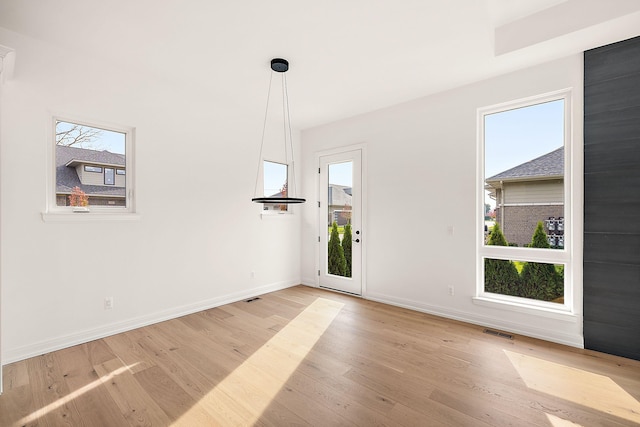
point(252, 299)
point(498, 334)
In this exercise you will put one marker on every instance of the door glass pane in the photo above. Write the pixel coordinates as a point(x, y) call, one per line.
point(339, 219)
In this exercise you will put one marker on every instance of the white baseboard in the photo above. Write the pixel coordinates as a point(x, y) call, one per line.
point(310, 281)
point(487, 321)
point(64, 341)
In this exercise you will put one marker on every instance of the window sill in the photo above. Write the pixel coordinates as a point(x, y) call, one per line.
point(89, 216)
point(276, 215)
point(551, 313)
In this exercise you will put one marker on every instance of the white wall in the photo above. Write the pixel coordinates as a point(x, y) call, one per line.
point(199, 236)
point(421, 160)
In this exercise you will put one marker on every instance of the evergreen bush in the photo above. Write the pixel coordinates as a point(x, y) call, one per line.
point(337, 262)
point(500, 276)
point(346, 248)
point(540, 280)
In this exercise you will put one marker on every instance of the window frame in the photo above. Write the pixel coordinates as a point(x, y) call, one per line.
point(55, 213)
point(554, 256)
point(87, 168)
point(113, 175)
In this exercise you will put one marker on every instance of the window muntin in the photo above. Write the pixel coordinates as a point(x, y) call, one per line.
point(525, 188)
point(76, 142)
point(275, 184)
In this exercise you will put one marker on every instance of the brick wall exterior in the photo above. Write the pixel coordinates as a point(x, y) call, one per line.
point(63, 200)
point(520, 221)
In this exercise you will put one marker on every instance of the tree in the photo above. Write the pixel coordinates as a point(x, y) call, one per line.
point(337, 261)
point(346, 248)
point(72, 134)
point(78, 197)
point(284, 192)
point(500, 276)
point(540, 280)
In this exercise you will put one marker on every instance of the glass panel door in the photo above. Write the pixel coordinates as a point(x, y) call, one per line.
point(340, 224)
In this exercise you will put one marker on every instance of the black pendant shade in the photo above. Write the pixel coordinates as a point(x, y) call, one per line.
point(280, 65)
point(278, 200)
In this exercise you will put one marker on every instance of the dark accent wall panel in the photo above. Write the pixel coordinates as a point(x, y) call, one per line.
point(612, 199)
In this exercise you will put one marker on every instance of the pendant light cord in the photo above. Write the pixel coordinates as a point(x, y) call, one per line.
point(293, 170)
point(264, 127)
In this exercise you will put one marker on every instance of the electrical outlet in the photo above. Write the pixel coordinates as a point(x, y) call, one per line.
point(108, 303)
point(450, 230)
point(253, 274)
point(451, 292)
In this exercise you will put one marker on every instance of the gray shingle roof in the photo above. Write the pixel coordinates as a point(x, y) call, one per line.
point(67, 178)
point(548, 165)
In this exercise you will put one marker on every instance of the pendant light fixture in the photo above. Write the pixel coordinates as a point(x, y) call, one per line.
point(280, 66)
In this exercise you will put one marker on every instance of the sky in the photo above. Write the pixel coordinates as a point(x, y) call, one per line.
point(111, 141)
point(275, 175)
point(341, 173)
point(516, 136)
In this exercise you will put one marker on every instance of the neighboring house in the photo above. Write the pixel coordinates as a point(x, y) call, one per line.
point(528, 193)
point(276, 206)
point(100, 174)
point(339, 204)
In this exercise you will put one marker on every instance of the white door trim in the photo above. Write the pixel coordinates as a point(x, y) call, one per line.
point(364, 189)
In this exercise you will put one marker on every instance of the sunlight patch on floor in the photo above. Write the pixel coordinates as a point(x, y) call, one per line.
point(560, 422)
point(242, 397)
point(73, 395)
point(576, 385)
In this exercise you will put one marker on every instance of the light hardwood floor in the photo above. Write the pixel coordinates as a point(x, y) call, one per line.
point(304, 356)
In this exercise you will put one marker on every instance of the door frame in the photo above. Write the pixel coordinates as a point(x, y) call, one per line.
point(363, 208)
point(7, 61)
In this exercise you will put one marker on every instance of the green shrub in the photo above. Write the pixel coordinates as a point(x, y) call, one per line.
point(500, 276)
point(346, 248)
point(337, 262)
point(540, 280)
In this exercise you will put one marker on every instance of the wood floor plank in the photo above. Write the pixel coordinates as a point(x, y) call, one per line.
point(173, 399)
point(48, 391)
point(134, 402)
point(273, 362)
point(94, 404)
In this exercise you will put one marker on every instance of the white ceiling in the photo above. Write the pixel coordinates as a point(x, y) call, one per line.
point(347, 56)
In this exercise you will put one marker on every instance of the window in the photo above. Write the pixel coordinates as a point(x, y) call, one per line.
point(275, 184)
point(87, 158)
point(109, 176)
point(524, 246)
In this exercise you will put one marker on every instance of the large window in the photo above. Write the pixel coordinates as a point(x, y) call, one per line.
point(524, 222)
point(89, 164)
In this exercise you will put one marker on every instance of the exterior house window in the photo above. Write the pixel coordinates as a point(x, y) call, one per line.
point(524, 251)
point(109, 176)
point(91, 160)
point(275, 184)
